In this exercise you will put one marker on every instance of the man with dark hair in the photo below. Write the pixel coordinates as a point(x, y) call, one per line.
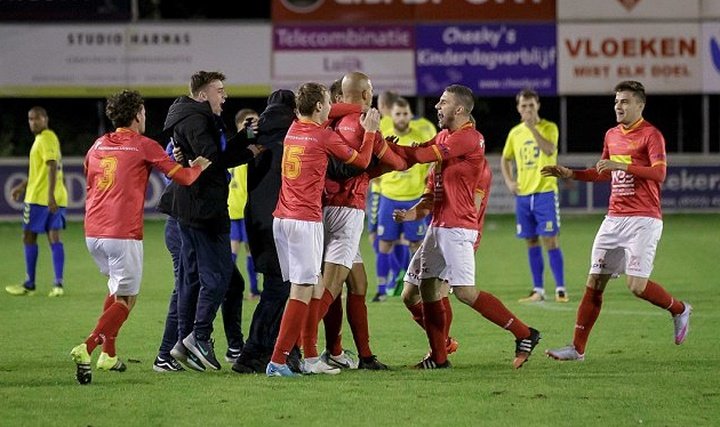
point(206, 267)
point(446, 254)
point(117, 167)
point(45, 203)
point(634, 160)
point(531, 145)
point(336, 92)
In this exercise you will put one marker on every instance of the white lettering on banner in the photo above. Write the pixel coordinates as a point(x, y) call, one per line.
point(686, 181)
point(344, 64)
point(665, 47)
point(485, 35)
point(345, 37)
point(541, 57)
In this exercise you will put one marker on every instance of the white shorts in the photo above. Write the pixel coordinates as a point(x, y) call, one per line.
point(121, 260)
point(343, 229)
point(447, 254)
point(626, 245)
point(299, 248)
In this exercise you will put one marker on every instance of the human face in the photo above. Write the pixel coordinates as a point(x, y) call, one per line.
point(324, 108)
point(214, 93)
point(528, 109)
point(401, 117)
point(37, 122)
point(447, 109)
point(628, 108)
point(368, 94)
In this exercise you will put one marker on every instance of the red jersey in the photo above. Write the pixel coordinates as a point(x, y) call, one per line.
point(641, 145)
point(353, 191)
point(117, 168)
point(305, 158)
point(460, 157)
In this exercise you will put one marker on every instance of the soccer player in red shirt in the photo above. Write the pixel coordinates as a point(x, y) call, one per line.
point(343, 219)
point(297, 227)
point(446, 254)
point(634, 160)
point(117, 168)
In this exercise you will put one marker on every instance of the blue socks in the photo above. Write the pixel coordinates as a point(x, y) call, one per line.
point(253, 275)
point(31, 256)
point(537, 265)
point(557, 267)
point(234, 258)
point(383, 271)
point(58, 257)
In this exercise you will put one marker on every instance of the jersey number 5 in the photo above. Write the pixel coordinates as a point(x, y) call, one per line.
point(109, 167)
point(292, 163)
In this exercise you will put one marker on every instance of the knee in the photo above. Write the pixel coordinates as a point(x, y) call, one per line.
point(410, 295)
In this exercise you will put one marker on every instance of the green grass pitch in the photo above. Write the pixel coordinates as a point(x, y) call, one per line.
point(633, 373)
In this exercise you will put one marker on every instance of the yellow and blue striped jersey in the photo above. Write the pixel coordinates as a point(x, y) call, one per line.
point(45, 148)
point(530, 159)
point(237, 196)
point(409, 184)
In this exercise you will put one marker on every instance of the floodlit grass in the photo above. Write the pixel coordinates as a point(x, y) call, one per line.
point(633, 373)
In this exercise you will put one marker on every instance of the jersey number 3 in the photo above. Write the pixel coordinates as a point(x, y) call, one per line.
point(109, 167)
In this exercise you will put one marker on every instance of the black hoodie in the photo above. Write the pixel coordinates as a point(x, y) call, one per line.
point(197, 131)
point(264, 180)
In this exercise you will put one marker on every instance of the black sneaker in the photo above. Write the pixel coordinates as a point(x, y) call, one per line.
point(524, 347)
point(294, 360)
point(429, 363)
point(167, 364)
point(181, 354)
point(203, 349)
point(232, 354)
point(372, 364)
point(379, 297)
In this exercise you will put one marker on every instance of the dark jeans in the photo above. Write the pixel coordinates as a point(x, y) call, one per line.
point(231, 306)
point(265, 324)
point(204, 277)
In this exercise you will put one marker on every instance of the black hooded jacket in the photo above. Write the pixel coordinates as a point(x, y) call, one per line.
point(264, 180)
point(197, 131)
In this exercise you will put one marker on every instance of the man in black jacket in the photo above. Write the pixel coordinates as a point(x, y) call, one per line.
point(201, 210)
point(263, 190)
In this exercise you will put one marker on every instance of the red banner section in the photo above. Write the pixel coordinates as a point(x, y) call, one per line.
point(370, 11)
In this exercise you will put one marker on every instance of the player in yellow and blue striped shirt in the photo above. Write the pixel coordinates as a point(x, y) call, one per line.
point(400, 190)
point(532, 145)
point(45, 203)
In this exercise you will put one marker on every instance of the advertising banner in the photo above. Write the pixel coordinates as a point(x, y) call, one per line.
point(593, 58)
point(491, 59)
point(627, 10)
point(711, 57)
point(158, 59)
point(370, 11)
point(325, 53)
point(13, 171)
point(710, 9)
point(65, 10)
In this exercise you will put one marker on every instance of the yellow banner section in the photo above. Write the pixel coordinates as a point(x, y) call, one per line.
point(105, 91)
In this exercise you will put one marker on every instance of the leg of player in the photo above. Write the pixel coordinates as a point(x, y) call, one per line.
point(555, 258)
point(657, 295)
point(435, 324)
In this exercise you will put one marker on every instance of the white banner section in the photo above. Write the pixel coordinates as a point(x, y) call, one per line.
point(595, 57)
point(388, 70)
point(157, 59)
point(627, 10)
point(711, 57)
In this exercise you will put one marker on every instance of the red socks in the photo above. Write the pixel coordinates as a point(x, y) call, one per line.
point(435, 329)
point(417, 313)
point(448, 316)
point(107, 328)
point(290, 327)
point(657, 295)
point(358, 320)
point(587, 314)
point(309, 332)
point(333, 327)
point(492, 309)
